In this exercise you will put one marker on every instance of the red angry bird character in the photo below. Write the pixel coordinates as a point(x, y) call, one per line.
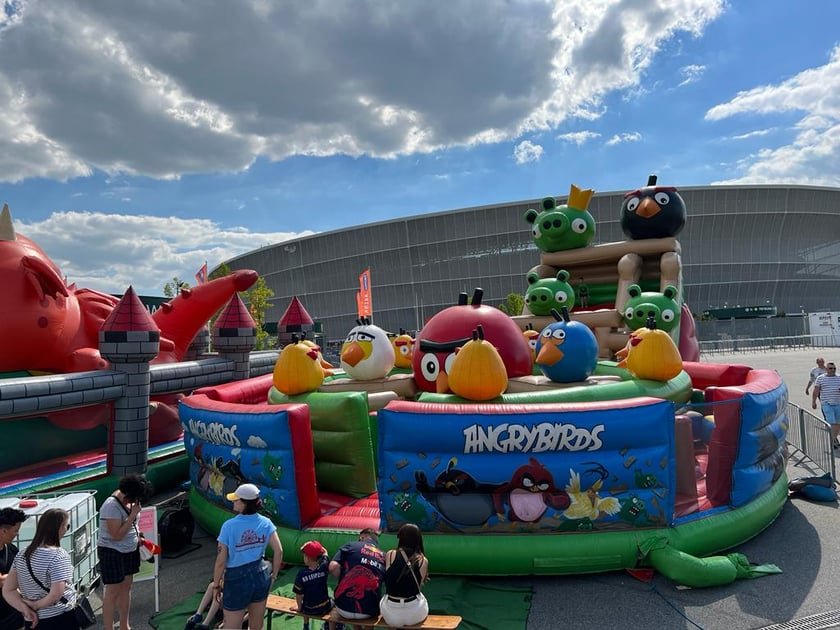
point(529, 493)
point(452, 328)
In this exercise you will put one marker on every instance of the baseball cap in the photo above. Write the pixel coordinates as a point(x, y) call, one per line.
point(313, 549)
point(246, 492)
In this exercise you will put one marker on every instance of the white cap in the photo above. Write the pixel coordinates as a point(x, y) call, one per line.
point(246, 492)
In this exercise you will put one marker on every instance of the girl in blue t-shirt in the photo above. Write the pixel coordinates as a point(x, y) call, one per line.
point(240, 572)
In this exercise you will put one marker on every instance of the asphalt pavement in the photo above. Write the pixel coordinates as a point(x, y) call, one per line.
point(802, 542)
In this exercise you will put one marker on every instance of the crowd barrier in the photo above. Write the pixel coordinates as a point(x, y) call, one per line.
point(762, 344)
point(811, 437)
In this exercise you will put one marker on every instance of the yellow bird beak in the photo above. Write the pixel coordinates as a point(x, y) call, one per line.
point(356, 352)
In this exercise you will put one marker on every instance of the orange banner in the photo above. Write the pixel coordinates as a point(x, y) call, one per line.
point(365, 296)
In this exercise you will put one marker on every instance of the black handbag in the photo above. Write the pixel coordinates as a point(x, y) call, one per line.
point(82, 610)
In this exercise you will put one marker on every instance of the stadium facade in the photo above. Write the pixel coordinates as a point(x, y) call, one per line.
point(742, 245)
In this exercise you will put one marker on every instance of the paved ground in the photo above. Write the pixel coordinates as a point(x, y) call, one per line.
point(802, 542)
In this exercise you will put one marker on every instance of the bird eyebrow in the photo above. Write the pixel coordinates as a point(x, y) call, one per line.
point(442, 346)
point(638, 191)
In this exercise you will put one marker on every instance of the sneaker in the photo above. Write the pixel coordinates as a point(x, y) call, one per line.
point(193, 622)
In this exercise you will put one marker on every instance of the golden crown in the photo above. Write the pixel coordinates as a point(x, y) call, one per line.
point(579, 199)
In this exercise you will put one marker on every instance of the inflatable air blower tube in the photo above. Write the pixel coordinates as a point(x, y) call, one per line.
point(691, 571)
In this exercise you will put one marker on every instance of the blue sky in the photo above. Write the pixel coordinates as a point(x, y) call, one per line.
point(138, 140)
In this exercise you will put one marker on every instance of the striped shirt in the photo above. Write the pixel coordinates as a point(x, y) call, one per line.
point(829, 385)
point(49, 564)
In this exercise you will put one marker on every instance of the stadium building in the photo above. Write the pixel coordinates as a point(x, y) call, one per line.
point(741, 246)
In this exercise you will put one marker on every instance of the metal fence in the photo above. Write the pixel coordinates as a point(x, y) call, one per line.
point(811, 436)
point(762, 344)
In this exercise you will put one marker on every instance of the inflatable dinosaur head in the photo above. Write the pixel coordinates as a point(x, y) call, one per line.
point(40, 315)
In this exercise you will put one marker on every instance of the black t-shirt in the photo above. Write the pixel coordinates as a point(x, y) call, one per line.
point(7, 556)
point(362, 571)
point(312, 584)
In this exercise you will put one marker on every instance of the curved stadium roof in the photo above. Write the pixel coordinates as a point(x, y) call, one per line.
point(742, 245)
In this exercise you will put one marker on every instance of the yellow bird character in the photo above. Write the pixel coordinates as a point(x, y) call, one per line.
point(651, 354)
point(588, 503)
point(478, 372)
point(298, 369)
point(403, 349)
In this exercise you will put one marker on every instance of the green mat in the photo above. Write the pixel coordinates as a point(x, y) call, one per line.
point(484, 604)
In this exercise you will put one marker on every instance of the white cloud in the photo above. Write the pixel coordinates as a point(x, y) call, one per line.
point(256, 441)
point(815, 94)
point(692, 73)
point(621, 138)
point(165, 89)
point(526, 151)
point(578, 137)
point(109, 252)
point(752, 134)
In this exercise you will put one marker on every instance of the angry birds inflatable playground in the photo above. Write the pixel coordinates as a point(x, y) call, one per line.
point(582, 435)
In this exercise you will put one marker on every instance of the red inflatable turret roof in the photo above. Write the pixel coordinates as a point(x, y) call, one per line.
point(129, 314)
point(295, 315)
point(235, 315)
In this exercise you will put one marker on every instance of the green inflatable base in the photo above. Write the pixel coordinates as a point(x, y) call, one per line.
point(548, 554)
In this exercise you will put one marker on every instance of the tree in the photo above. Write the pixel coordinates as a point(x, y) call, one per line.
point(172, 288)
point(258, 302)
point(220, 272)
point(513, 305)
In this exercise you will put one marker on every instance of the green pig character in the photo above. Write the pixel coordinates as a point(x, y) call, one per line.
point(662, 307)
point(633, 511)
point(270, 505)
point(272, 467)
point(569, 226)
point(410, 508)
point(547, 294)
point(646, 480)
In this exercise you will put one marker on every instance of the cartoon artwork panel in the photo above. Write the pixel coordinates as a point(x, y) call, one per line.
point(230, 444)
point(549, 468)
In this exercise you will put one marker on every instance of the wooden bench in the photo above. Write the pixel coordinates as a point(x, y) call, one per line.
point(280, 604)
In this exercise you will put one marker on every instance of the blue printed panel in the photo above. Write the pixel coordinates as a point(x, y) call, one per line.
point(760, 460)
point(497, 468)
point(228, 448)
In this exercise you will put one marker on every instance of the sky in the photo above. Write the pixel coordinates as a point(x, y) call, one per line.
point(140, 139)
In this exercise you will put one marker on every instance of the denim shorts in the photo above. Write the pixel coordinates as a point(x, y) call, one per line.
point(831, 412)
point(246, 584)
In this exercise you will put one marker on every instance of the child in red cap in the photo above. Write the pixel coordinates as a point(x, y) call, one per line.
point(311, 583)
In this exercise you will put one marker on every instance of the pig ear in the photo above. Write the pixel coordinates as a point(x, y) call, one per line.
point(7, 229)
point(531, 215)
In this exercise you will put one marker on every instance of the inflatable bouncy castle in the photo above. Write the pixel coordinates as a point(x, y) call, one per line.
point(600, 443)
point(69, 360)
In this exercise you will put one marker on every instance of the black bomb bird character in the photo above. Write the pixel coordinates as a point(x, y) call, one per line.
point(457, 495)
